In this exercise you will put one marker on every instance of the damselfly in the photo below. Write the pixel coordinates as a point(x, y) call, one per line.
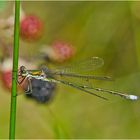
point(68, 76)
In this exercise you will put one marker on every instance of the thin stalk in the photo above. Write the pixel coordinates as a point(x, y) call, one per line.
point(14, 71)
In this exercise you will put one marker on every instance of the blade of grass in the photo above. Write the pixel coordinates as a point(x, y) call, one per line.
point(58, 128)
point(14, 72)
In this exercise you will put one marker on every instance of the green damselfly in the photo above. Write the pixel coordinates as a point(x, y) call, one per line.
point(68, 76)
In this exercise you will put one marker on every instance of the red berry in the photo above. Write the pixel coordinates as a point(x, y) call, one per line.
point(7, 79)
point(63, 50)
point(31, 27)
point(6, 73)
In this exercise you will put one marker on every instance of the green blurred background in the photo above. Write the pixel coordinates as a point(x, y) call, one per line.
point(110, 30)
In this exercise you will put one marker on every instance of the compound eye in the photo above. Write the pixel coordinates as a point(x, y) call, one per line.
point(23, 69)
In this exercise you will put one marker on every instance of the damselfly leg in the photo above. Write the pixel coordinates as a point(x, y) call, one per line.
point(22, 77)
point(29, 87)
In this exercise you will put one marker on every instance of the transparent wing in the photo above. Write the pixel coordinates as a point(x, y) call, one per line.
point(69, 73)
point(80, 88)
point(87, 87)
point(81, 80)
point(84, 77)
point(86, 65)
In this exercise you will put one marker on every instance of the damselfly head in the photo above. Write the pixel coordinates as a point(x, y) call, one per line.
point(23, 71)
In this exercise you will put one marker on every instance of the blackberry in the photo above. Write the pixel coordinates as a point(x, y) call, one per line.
point(42, 91)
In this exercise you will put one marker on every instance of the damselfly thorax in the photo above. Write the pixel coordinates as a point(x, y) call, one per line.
point(36, 74)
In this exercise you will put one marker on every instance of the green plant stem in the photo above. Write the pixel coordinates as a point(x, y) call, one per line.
point(14, 72)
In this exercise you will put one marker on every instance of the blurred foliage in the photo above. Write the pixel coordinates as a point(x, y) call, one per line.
point(110, 30)
point(2, 5)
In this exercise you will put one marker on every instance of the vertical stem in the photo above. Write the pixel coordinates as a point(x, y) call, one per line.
point(14, 72)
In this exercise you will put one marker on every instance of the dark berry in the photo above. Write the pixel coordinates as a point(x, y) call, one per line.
point(42, 91)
